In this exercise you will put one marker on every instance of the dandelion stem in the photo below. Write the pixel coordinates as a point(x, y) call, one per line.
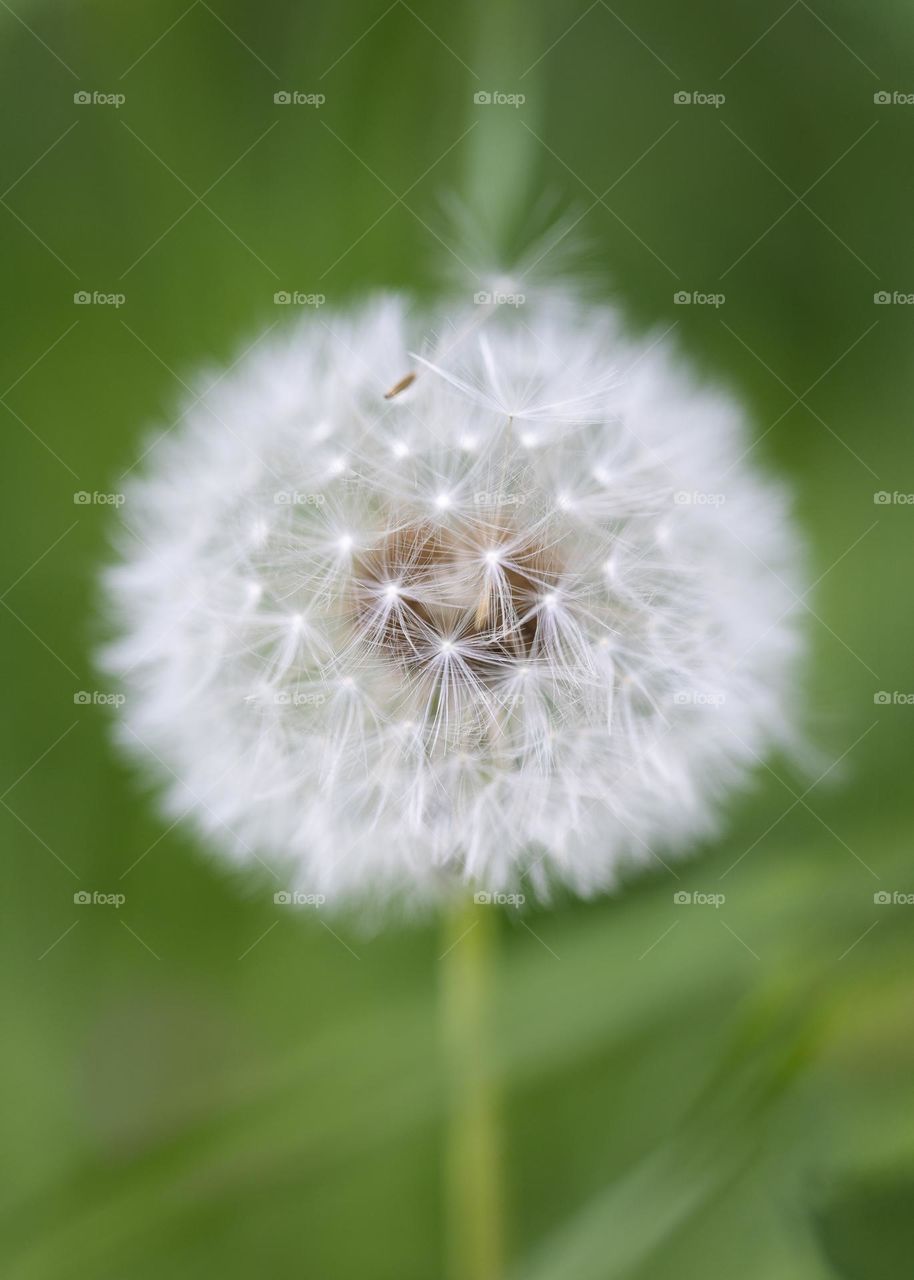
point(473, 1169)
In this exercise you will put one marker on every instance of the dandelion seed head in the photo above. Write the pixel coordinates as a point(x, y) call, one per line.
point(500, 654)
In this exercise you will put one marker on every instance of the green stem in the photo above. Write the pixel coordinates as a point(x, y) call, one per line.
point(475, 1196)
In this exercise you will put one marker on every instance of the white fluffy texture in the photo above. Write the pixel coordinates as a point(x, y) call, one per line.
point(522, 623)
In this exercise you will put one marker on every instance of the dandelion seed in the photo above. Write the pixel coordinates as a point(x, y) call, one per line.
point(404, 382)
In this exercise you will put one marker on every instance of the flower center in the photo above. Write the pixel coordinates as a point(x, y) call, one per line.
point(472, 590)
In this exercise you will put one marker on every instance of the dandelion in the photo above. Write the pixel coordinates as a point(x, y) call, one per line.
point(508, 605)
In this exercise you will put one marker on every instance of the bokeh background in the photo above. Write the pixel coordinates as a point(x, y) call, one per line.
point(198, 1082)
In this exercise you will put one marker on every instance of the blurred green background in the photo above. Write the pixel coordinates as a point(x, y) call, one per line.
point(200, 1083)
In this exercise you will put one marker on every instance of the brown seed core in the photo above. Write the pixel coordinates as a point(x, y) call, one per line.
point(425, 584)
